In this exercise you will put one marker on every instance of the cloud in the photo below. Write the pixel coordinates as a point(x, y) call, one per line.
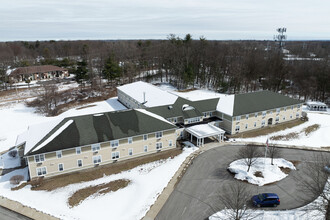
point(148, 19)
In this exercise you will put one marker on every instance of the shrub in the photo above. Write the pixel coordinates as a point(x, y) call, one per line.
point(36, 182)
point(15, 180)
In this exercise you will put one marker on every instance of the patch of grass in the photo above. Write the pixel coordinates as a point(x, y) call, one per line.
point(285, 170)
point(268, 129)
point(287, 137)
point(80, 195)
point(53, 183)
point(311, 129)
point(258, 174)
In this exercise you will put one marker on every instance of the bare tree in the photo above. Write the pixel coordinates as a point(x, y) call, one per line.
point(235, 198)
point(316, 183)
point(274, 152)
point(249, 154)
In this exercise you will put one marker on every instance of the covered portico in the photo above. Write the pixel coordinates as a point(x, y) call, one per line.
point(203, 131)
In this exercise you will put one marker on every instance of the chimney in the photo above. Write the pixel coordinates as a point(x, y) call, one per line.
point(144, 97)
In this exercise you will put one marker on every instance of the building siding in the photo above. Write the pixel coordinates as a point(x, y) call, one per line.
point(70, 159)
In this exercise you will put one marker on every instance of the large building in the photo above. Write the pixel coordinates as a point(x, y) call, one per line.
point(155, 120)
point(91, 140)
point(38, 73)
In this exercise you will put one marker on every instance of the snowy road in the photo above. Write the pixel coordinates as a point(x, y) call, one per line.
point(195, 197)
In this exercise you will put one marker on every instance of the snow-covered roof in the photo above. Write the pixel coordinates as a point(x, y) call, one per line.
point(153, 95)
point(226, 104)
point(316, 103)
point(34, 134)
point(204, 130)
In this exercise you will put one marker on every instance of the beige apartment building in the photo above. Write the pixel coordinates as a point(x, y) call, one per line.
point(69, 148)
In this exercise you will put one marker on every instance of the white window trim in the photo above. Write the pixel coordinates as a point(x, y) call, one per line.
point(170, 143)
point(96, 147)
point(82, 164)
point(130, 140)
point(145, 148)
point(59, 154)
point(116, 156)
point(114, 143)
point(77, 150)
point(38, 155)
point(159, 147)
point(58, 167)
point(100, 156)
point(130, 151)
point(159, 134)
point(145, 137)
point(41, 172)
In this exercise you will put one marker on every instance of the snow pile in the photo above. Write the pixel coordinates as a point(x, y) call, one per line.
point(131, 202)
point(270, 173)
point(319, 138)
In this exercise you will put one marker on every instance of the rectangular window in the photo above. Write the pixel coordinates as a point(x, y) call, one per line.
point(130, 151)
point(277, 119)
point(297, 115)
point(159, 134)
point(290, 116)
point(298, 106)
point(285, 109)
point(59, 154)
point(210, 114)
point(114, 155)
point(271, 112)
point(79, 162)
point(159, 145)
point(96, 147)
point(255, 124)
point(263, 123)
point(278, 111)
point(256, 114)
point(145, 137)
point(41, 171)
point(247, 116)
point(291, 107)
point(170, 143)
point(283, 118)
point(78, 150)
point(264, 114)
point(60, 167)
point(97, 159)
point(237, 128)
point(238, 118)
point(145, 148)
point(130, 140)
point(205, 114)
point(246, 126)
point(114, 143)
point(39, 158)
point(175, 120)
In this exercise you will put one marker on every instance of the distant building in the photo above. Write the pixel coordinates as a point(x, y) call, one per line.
point(38, 73)
point(316, 106)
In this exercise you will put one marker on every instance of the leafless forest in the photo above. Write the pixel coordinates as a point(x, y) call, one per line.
point(301, 69)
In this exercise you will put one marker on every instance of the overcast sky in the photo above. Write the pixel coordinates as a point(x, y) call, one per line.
point(155, 19)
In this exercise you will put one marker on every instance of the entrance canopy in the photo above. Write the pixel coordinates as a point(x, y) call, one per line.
point(205, 130)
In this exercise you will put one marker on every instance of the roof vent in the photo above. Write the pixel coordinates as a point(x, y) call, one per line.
point(186, 107)
point(170, 107)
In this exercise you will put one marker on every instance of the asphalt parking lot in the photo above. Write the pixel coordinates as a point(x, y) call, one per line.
point(196, 195)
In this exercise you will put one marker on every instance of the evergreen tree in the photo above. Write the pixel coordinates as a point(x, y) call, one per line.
point(81, 71)
point(111, 70)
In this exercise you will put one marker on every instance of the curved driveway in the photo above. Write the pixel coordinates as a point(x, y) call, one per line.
point(195, 197)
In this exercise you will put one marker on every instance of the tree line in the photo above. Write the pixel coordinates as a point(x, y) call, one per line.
point(226, 66)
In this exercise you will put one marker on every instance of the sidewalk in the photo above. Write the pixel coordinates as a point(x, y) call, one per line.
point(162, 198)
point(24, 210)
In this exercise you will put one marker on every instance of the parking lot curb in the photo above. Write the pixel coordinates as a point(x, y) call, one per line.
point(24, 210)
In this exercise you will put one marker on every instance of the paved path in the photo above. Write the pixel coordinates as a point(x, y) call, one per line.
point(195, 197)
point(6, 214)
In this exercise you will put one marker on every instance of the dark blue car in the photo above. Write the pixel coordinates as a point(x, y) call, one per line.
point(266, 199)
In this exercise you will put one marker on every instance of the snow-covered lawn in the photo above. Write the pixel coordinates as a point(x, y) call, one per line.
point(271, 173)
point(16, 118)
point(319, 138)
point(131, 202)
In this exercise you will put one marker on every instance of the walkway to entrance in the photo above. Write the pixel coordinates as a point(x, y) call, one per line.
point(203, 131)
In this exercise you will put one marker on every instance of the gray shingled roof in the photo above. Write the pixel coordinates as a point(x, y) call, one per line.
point(90, 129)
point(261, 101)
point(175, 110)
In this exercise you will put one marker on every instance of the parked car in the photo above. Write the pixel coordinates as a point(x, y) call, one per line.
point(266, 199)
